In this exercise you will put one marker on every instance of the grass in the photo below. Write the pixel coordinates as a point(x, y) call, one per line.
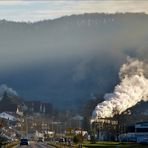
point(57, 145)
point(62, 145)
point(87, 144)
point(113, 145)
point(10, 145)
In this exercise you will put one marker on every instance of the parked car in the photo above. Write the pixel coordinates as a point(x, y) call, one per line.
point(41, 139)
point(24, 142)
point(61, 140)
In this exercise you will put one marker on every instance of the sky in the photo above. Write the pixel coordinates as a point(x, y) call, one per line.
point(27, 56)
point(27, 10)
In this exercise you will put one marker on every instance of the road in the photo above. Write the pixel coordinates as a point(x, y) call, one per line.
point(34, 145)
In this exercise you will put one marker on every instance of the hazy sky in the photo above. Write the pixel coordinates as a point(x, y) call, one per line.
point(37, 60)
point(27, 10)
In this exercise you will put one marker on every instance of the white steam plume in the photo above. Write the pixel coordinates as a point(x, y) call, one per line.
point(132, 89)
point(4, 88)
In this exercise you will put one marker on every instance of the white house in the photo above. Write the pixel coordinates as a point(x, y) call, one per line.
point(7, 116)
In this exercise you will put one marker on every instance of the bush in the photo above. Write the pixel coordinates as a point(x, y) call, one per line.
point(78, 138)
point(93, 139)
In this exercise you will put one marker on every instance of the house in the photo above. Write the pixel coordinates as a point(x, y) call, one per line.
point(7, 116)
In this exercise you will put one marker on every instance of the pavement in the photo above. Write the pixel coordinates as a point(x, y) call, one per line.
point(34, 144)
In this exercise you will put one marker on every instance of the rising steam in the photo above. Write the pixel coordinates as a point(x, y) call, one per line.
point(4, 88)
point(132, 89)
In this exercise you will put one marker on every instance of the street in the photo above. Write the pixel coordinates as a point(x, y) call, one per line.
point(34, 145)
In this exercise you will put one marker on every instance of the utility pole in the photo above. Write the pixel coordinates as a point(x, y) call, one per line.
point(26, 125)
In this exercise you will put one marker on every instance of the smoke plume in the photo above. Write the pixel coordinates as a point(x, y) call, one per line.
point(132, 89)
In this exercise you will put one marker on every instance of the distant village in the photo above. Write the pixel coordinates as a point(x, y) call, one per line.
point(34, 119)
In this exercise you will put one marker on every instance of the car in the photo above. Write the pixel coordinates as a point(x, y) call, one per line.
point(40, 139)
point(61, 140)
point(24, 142)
